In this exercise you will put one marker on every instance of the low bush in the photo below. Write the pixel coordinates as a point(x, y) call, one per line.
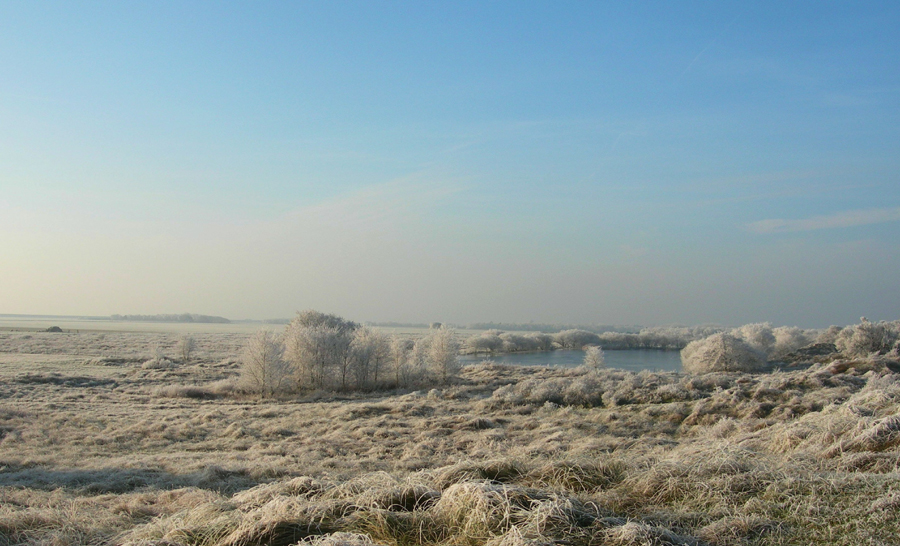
point(721, 353)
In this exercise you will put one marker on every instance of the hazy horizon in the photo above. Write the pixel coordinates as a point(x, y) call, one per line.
point(571, 163)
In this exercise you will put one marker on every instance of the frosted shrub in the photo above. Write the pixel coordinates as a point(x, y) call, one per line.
point(492, 341)
point(508, 395)
point(789, 339)
point(576, 339)
point(186, 346)
point(585, 390)
point(414, 371)
point(156, 352)
point(548, 390)
point(758, 335)
point(159, 363)
point(829, 335)
point(516, 342)
point(581, 387)
point(486, 342)
point(868, 337)
point(721, 353)
point(400, 356)
point(540, 341)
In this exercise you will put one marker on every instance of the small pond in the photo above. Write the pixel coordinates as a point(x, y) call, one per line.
point(632, 360)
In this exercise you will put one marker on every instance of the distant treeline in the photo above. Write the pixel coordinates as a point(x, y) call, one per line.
point(550, 328)
point(183, 317)
point(665, 338)
point(391, 324)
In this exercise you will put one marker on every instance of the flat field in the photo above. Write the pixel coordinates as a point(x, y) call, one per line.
point(84, 325)
point(98, 447)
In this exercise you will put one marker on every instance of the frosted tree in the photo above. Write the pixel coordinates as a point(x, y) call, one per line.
point(416, 367)
point(594, 357)
point(317, 345)
point(313, 353)
point(400, 353)
point(263, 369)
point(311, 317)
point(369, 353)
point(442, 354)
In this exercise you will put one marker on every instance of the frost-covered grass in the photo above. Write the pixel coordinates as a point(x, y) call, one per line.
point(98, 447)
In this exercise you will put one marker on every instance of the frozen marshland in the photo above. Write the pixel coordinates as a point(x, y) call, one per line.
point(113, 438)
point(581, 191)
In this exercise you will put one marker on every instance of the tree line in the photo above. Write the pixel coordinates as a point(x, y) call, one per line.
point(182, 317)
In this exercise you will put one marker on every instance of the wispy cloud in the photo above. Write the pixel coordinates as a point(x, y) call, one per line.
point(375, 206)
point(845, 219)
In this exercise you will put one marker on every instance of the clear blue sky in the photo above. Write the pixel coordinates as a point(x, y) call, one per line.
point(650, 163)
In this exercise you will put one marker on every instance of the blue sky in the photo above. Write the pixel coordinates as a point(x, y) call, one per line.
point(648, 163)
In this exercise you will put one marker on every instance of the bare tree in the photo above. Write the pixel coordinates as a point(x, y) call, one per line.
point(263, 368)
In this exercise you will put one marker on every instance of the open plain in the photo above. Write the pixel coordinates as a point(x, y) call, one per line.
point(100, 445)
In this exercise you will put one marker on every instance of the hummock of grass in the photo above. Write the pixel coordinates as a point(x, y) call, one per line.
point(97, 450)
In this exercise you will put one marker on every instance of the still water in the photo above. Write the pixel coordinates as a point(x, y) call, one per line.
point(635, 360)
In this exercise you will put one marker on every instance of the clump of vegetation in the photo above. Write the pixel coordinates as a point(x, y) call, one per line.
point(319, 351)
point(750, 347)
point(721, 353)
point(868, 338)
